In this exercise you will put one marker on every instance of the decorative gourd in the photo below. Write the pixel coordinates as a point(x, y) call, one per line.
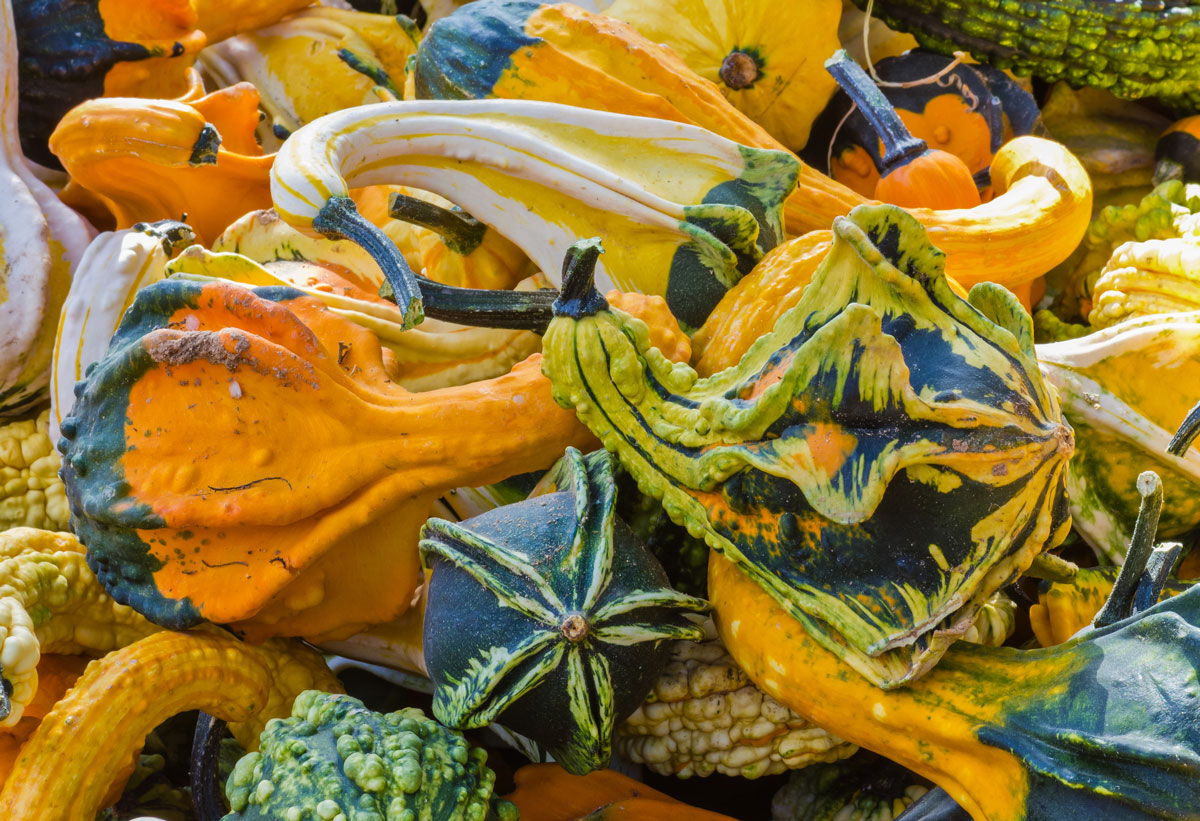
point(1177, 152)
point(67, 765)
point(547, 792)
point(863, 788)
point(1011, 735)
point(560, 53)
point(75, 50)
point(1103, 45)
point(332, 757)
point(968, 111)
point(704, 716)
point(1062, 610)
point(1124, 390)
point(316, 61)
point(114, 268)
point(1158, 276)
point(911, 174)
point(40, 241)
point(31, 492)
point(1170, 210)
point(762, 56)
point(56, 675)
point(549, 616)
point(161, 159)
point(315, 541)
point(697, 211)
point(786, 464)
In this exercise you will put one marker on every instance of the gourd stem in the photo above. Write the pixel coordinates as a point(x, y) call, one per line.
point(1189, 429)
point(1053, 568)
point(175, 235)
point(579, 297)
point(899, 145)
point(339, 219)
point(1154, 579)
point(935, 805)
point(739, 70)
point(461, 232)
point(481, 308)
point(207, 798)
point(1141, 544)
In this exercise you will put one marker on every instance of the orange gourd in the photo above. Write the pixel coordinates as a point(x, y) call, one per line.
point(547, 792)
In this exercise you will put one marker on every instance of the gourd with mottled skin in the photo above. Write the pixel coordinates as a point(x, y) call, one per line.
point(318, 540)
point(877, 406)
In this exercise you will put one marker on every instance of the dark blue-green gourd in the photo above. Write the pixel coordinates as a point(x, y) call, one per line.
point(549, 616)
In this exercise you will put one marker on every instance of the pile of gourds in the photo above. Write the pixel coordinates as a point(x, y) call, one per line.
point(678, 387)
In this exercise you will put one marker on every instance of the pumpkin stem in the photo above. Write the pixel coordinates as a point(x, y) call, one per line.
point(899, 145)
point(175, 235)
point(574, 627)
point(1053, 568)
point(204, 150)
point(739, 70)
point(1188, 430)
point(207, 798)
point(483, 308)
point(339, 219)
point(1154, 579)
point(461, 232)
point(579, 297)
point(1141, 544)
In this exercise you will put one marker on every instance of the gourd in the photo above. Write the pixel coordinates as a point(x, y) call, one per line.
point(1124, 390)
point(316, 541)
point(56, 675)
point(696, 210)
point(763, 57)
point(68, 764)
point(704, 716)
point(40, 241)
point(561, 53)
point(1158, 276)
point(75, 50)
point(116, 265)
point(1011, 735)
point(549, 616)
point(31, 492)
point(315, 61)
point(1177, 152)
point(785, 464)
point(162, 159)
point(547, 792)
point(1101, 45)
point(1063, 609)
point(911, 174)
point(333, 757)
point(862, 788)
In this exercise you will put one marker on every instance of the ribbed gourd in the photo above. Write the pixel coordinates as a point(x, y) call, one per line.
point(1124, 390)
point(199, 504)
point(31, 492)
point(883, 415)
point(549, 616)
point(687, 212)
point(1158, 276)
point(765, 58)
point(863, 788)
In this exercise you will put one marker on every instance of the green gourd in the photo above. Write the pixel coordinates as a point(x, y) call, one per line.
point(549, 616)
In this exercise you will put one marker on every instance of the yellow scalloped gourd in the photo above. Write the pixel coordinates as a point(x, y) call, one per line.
point(1158, 276)
point(31, 493)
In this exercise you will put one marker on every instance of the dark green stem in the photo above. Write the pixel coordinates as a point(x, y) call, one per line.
point(208, 799)
point(481, 308)
point(1141, 545)
point(1188, 430)
point(461, 232)
point(899, 145)
point(579, 297)
point(339, 219)
point(204, 150)
point(1154, 579)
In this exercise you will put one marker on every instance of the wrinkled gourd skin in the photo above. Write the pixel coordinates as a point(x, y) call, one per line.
point(863, 788)
point(333, 755)
point(876, 406)
point(95, 731)
point(1062, 609)
point(1172, 209)
point(31, 492)
point(1142, 278)
point(218, 515)
point(561, 53)
point(151, 160)
point(1125, 390)
point(1011, 735)
point(316, 61)
point(549, 616)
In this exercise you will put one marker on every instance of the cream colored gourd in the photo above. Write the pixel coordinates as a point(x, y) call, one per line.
point(40, 242)
point(115, 267)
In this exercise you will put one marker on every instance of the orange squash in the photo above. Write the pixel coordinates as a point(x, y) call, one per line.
point(547, 792)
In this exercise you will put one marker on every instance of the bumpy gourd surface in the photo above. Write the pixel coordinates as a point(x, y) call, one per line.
point(31, 493)
point(881, 462)
point(335, 758)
